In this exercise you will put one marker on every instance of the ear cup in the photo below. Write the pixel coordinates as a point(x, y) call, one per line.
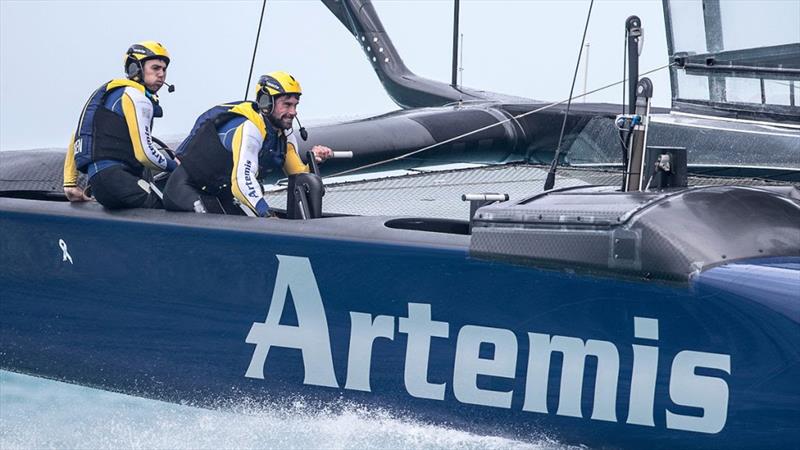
point(133, 70)
point(265, 102)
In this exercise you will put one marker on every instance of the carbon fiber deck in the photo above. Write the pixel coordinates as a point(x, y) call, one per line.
point(40, 171)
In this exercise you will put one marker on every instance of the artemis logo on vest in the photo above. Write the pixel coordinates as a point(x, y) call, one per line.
point(311, 336)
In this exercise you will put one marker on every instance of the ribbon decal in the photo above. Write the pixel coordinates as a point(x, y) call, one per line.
point(63, 246)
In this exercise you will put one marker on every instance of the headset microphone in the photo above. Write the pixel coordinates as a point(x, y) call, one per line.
point(303, 132)
point(170, 87)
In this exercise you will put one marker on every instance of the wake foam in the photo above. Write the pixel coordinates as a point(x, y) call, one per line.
point(37, 413)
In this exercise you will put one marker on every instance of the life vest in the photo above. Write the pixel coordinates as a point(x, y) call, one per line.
point(103, 134)
point(208, 163)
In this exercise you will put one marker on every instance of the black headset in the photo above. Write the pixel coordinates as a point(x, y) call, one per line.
point(134, 70)
point(265, 102)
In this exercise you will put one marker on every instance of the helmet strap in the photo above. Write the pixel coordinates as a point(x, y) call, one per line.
point(272, 119)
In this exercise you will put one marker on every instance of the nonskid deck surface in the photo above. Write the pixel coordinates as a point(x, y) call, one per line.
point(436, 191)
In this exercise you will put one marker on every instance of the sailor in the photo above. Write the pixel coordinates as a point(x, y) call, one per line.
point(112, 143)
point(231, 144)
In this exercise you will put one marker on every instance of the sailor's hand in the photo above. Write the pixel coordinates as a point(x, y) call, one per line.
point(76, 194)
point(321, 153)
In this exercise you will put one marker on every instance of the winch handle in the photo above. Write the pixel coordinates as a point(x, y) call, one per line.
point(312, 163)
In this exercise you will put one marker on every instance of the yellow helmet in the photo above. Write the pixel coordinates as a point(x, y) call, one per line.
point(140, 52)
point(277, 83)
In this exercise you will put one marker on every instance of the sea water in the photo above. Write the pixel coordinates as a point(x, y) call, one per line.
point(37, 414)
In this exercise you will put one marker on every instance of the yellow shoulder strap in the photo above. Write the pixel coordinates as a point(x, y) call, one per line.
point(246, 109)
point(119, 82)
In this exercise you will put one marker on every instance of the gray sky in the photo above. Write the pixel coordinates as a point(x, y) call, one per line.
point(53, 54)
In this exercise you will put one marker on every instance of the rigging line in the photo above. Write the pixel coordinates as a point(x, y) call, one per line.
point(779, 82)
point(551, 175)
point(624, 88)
point(624, 67)
point(469, 133)
point(255, 48)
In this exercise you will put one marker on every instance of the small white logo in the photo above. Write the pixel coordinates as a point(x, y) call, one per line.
point(63, 246)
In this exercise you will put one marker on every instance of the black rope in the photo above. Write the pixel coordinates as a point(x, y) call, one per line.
point(255, 48)
point(551, 175)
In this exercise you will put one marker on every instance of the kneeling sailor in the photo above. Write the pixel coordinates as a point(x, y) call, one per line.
point(113, 143)
point(230, 144)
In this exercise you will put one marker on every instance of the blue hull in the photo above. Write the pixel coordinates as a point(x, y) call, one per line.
point(159, 307)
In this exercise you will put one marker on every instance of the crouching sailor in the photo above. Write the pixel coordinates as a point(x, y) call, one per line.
point(113, 143)
point(231, 144)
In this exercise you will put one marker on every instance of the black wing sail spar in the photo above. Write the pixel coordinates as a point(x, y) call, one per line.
point(405, 88)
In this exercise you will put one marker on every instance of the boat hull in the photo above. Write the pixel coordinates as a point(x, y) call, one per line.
point(180, 308)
